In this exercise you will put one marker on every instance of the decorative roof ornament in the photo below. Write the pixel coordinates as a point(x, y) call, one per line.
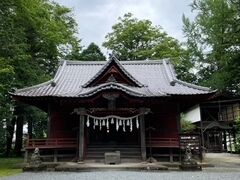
point(111, 78)
point(113, 55)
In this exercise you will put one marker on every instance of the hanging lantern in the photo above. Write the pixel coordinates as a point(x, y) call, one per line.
point(120, 122)
point(112, 121)
point(107, 130)
point(96, 122)
point(124, 130)
point(100, 126)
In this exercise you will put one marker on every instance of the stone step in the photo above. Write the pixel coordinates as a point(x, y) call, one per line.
point(97, 152)
point(112, 149)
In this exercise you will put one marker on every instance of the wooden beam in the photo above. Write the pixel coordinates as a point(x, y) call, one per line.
point(143, 137)
point(171, 155)
point(81, 138)
point(48, 121)
point(55, 154)
point(81, 112)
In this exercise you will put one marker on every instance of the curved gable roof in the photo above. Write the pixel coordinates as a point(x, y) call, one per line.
point(115, 61)
point(153, 78)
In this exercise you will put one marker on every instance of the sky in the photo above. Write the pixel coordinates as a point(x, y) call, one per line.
point(96, 17)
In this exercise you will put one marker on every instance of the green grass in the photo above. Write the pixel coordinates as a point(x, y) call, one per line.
point(10, 166)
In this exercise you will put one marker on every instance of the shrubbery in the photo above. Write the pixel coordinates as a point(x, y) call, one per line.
point(237, 144)
point(186, 125)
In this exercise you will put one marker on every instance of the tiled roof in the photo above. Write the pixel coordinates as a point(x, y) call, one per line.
point(113, 58)
point(155, 78)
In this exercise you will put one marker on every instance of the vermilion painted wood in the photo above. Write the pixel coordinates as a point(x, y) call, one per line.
point(72, 142)
point(53, 143)
point(163, 142)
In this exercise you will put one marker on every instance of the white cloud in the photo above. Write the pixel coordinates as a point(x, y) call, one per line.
point(96, 17)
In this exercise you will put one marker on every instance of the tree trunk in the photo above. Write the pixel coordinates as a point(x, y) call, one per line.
point(19, 136)
point(10, 132)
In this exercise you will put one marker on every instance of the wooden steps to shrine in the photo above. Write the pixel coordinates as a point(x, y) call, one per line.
point(127, 152)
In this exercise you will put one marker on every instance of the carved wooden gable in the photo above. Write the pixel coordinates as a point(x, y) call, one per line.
point(113, 71)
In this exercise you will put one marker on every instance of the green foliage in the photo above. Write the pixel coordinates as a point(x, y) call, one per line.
point(32, 34)
point(237, 144)
point(133, 39)
point(92, 53)
point(6, 80)
point(39, 121)
point(213, 43)
point(186, 125)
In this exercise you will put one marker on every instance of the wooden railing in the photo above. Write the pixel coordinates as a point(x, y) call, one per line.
point(163, 142)
point(58, 143)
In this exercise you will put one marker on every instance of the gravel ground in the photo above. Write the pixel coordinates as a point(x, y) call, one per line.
point(126, 175)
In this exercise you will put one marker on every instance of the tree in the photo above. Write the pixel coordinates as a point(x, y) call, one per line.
point(186, 125)
point(6, 79)
point(213, 42)
point(31, 36)
point(92, 53)
point(133, 39)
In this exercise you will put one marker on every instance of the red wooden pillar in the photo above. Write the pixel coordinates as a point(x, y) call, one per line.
point(81, 112)
point(142, 134)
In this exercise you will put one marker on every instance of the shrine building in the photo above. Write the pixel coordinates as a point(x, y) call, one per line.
point(100, 106)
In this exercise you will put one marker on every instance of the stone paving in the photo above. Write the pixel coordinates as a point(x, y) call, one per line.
point(126, 175)
point(223, 160)
point(226, 166)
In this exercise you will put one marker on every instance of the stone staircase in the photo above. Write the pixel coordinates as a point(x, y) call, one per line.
point(128, 153)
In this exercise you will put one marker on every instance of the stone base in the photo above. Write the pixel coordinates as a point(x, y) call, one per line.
point(190, 167)
point(112, 157)
point(151, 160)
point(74, 167)
point(40, 167)
point(80, 162)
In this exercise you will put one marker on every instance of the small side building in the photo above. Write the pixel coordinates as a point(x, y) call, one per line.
point(215, 121)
